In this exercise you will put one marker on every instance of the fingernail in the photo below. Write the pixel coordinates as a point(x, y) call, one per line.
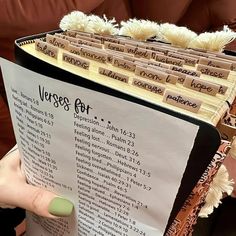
point(60, 207)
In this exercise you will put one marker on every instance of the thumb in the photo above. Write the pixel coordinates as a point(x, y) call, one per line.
point(16, 192)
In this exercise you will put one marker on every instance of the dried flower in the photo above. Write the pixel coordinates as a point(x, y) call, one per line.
point(178, 36)
point(102, 26)
point(139, 29)
point(215, 41)
point(220, 184)
point(75, 20)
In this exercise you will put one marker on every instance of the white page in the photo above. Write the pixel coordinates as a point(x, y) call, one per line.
point(120, 163)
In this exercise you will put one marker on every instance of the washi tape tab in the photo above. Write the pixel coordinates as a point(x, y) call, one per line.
point(57, 42)
point(75, 49)
point(213, 71)
point(70, 39)
point(191, 61)
point(114, 46)
point(182, 101)
point(201, 85)
point(46, 48)
point(153, 88)
point(215, 63)
point(89, 43)
point(88, 39)
point(123, 64)
point(113, 75)
point(151, 74)
point(138, 52)
point(185, 71)
point(93, 54)
point(75, 60)
point(169, 60)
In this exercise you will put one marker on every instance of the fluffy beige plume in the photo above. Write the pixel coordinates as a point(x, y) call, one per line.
point(102, 26)
point(220, 184)
point(139, 29)
point(76, 20)
point(178, 36)
point(215, 41)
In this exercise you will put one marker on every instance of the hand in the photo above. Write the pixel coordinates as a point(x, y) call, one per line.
point(16, 192)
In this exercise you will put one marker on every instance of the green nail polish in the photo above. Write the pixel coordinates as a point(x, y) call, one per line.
point(60, 207)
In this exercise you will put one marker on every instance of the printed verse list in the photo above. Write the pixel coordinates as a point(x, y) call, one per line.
point(107, 155)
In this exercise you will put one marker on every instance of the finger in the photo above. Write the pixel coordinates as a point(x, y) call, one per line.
point(15, 191)
point(39, 201)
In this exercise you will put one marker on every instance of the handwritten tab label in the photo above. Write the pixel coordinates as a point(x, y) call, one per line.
point(228, 57)
point(148, 86)
point(188, 54)
point(198, 53)
point(89, 43)
point(181, 76)
point(171, 79)
point(109, 57)
point(93, 55)
point(57, 42)
point(113, 75)
point(123, 64)
point(141, 60)
point(201, 85)
point(74, 48)
point(215, 63)
point(223, 89)
point(86, 38)
point(233, 63)
point(75, 60)
point(111, 54)
point(98, 37)
point(151, 74)
point(159, 64)
point(169, 60)
point(213, 71)
point(114, 46)
point(132, 42)
point(185, 71)
point(192, 53)
point(157, 49)
point(130, 58)
point(70, 39)
point(87, 34)
point(110, 39)
point(188, 60)
point(138, 52)
point(182, 101)
point(71, 33)
point(46, 48)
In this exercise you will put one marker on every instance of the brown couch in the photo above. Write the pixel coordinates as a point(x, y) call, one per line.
point(20, 18)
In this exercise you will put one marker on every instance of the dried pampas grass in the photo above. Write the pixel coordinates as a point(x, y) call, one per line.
point(215, 41)
point(220, 184)
point(145, 29)
point(76, 20)
point(102, 26)
point(177, 36)
point(139, 29)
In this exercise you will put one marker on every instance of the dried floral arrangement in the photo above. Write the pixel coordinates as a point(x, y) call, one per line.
point(143, 30)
